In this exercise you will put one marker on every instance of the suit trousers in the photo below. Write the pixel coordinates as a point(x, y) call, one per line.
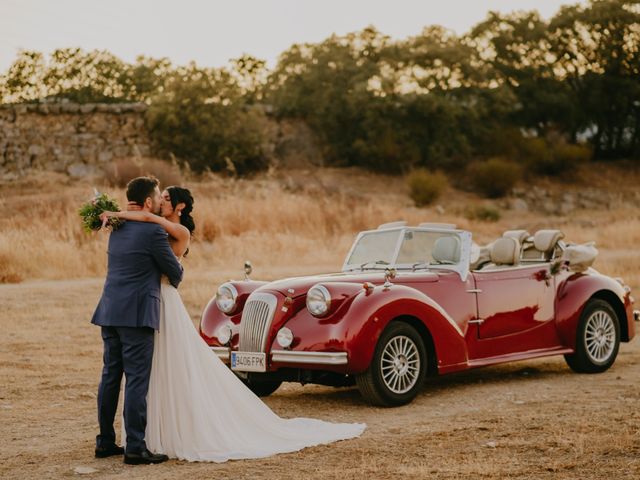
point(127, 350)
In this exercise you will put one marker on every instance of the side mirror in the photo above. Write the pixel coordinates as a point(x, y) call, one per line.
point(247, 269)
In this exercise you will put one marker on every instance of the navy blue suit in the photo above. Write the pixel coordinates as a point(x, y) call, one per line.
point(129, 312)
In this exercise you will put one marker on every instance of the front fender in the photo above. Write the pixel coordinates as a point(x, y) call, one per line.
point(576, 290)
point(212, 317)
point(356, 327)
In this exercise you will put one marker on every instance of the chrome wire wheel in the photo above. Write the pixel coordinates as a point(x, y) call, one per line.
point(597, 338)
point(400, 364)
point(600, 336)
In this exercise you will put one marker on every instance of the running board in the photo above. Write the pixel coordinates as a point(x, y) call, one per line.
point(512, 357)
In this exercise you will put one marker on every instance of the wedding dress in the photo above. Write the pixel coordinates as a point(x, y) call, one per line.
point(198, 410)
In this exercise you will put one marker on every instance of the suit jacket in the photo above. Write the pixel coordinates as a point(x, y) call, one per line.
point(139, 253)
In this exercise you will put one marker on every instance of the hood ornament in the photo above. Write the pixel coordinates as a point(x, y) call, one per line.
point(247, 270)
point(389, 274)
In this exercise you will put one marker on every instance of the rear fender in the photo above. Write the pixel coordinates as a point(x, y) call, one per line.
point(577, 290)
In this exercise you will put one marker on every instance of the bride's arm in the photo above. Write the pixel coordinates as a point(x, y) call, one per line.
point(176, 230)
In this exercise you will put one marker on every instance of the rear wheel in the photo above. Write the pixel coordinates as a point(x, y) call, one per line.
point(597, 339)
point(398, 368)
point(261, 387)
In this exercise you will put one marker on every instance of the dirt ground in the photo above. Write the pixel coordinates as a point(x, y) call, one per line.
point(526, 420)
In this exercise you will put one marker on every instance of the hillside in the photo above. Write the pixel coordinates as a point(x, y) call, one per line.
point(312, 215)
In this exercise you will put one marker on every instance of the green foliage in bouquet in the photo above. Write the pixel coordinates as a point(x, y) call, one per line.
point(90, 213)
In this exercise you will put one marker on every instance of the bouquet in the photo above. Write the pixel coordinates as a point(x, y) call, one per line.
point(90, 213)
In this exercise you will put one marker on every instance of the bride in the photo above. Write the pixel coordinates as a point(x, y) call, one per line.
point(197, 409)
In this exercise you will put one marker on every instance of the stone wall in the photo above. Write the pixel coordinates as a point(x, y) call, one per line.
point(76, 139)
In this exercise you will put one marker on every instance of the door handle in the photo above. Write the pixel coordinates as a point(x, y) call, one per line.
point(479, 321)
point(474, 290)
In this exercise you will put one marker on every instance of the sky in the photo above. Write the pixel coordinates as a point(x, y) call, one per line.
point(211, 32)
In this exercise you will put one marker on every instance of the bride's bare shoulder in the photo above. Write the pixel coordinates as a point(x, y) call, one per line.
point(181, 233)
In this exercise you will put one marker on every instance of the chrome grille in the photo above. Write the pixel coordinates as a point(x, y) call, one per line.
point(256, 320)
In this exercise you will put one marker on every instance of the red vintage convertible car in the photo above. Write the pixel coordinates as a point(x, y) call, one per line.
point(417, 301)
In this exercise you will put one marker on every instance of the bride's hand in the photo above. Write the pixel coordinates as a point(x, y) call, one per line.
point(105, 216)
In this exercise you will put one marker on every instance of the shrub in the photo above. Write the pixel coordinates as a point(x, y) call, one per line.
point(119, 172)
point(507, 142)
point(9, 269)
point(425, 187)
point(566, 157)
point(493, 178)
point(534, 151)
point(483, 213)
point(549, 157)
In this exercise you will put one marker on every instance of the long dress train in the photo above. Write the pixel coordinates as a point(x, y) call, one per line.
point(198, 410)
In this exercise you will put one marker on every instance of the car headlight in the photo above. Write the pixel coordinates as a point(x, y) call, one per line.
point(285, 337)
point(226, 297)
point(318, 300)
point(224, 333)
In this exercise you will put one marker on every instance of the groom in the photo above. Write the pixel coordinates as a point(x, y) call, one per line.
point(128, 313)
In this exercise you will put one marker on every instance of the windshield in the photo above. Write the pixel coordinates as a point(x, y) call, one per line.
point(418, 248)
point(375, 248)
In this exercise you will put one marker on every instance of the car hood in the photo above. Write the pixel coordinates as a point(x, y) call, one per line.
point(300, 285)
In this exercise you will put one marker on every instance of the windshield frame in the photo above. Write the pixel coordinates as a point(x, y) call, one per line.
point(462, 267)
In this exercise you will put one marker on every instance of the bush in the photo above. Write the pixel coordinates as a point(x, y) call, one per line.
point(505, 142)
point(9, 270)
point(534, 152)
point(567, 157)
point(122, 170)
point(425, 187)
point(483, 213)
point(549, 157)
point(493, 178)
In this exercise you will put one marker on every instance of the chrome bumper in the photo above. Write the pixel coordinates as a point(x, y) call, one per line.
point(288, 356)
point(222, 353)
point(316, 358)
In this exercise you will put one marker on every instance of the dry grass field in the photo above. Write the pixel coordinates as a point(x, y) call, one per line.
point(527, 420)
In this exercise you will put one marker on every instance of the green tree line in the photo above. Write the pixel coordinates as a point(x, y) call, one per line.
point(516, 86)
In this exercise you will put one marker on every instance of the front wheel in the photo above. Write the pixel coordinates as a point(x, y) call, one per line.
point(398, 368)
point(597, 339)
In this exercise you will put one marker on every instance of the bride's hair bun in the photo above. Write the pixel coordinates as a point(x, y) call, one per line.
point(183, 195)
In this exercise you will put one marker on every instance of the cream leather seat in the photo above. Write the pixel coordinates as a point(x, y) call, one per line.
point(505, 251)
point(521, 235)
point(546, 241)
point(527, 250)
point(446, 250)
point(543, 245)
point(480, 256)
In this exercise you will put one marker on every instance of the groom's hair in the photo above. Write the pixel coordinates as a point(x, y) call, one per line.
point(140, 188)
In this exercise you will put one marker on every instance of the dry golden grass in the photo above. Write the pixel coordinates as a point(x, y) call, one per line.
point(301, 221)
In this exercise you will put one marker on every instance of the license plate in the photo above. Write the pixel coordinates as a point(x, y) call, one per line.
point(248, 361)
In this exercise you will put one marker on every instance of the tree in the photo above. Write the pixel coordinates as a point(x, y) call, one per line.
point(201, 117)
point(251, 75)
point(598, 52)
point(24, 82)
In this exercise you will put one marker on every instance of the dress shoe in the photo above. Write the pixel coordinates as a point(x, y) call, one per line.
point(144, 458)
point(109, 451)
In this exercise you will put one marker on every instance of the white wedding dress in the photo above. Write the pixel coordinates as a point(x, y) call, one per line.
point(198, 410)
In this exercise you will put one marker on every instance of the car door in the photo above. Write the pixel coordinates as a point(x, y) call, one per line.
point(515, 306)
